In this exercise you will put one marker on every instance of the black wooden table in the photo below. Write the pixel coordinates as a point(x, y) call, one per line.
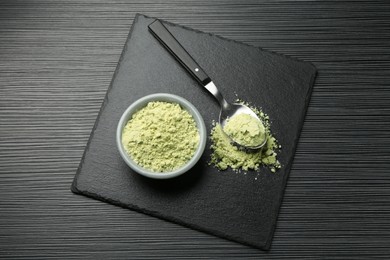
point(56, 62)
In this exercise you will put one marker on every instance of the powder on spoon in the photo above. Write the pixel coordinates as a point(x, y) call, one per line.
point(225, 155)
point(161, 137)
point(245, 130)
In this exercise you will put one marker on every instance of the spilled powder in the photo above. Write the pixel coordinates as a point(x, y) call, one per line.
point(225, 155)
point(161, 137)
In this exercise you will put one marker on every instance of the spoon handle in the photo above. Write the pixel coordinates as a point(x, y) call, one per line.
point(176, 49)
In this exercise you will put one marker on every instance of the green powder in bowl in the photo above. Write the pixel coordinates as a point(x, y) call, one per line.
point(161, 136)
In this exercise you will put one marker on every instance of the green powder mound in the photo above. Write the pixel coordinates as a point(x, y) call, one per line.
point(225, 155)
point(245, 130)
point(161, 137)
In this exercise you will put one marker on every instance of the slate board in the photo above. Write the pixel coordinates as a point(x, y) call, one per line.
point(236, 206)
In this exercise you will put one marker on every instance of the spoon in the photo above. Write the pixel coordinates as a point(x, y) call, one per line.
point(228, 110)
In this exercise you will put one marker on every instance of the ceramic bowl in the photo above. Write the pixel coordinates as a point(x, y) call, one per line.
point(142, 102)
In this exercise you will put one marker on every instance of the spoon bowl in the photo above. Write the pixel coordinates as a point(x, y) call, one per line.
point(233, 110)
point(228, 110)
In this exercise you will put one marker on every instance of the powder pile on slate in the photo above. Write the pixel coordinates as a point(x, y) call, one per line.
point(161, 137)
point(225, 155)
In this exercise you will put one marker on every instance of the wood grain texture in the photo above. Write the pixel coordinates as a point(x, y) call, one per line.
point(56, 62)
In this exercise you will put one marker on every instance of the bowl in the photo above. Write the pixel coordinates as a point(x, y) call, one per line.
point(142, 102)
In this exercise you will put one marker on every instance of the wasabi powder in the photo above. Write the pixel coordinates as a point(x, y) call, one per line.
point(245, 130)
point(161, 137)
point(225, 155)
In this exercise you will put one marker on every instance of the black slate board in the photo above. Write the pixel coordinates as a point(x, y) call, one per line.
point(237, 206)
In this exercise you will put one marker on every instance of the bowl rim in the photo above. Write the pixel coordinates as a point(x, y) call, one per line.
point(140, 103)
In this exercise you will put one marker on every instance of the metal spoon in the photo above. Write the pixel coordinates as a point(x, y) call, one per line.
point(228, 110)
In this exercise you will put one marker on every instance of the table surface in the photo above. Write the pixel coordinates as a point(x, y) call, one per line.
point(56, 62)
